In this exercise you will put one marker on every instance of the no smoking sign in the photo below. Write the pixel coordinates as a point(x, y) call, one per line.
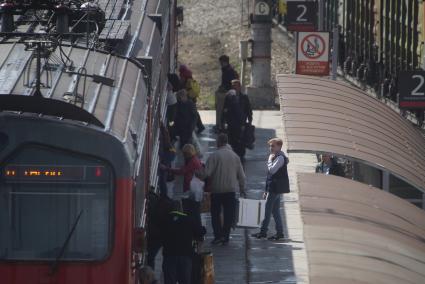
point(313, 53)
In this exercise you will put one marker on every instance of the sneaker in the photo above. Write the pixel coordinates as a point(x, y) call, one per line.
point(259, 235)
point(276, 237)
point(216, 241)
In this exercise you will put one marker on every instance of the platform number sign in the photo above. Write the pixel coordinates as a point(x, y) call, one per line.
point(262, 9)
point(411, 86)
point(301, 16)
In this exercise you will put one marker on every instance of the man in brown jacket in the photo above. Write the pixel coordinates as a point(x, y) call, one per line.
point(225, 174)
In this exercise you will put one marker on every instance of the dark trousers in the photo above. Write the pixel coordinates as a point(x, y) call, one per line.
point(153, 249)
point(177, 269)
point(235, 140)
point(226, 201)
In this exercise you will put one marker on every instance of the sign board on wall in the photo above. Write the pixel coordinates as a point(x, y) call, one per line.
point(313, 53)
point(301, 16)
point(411, 87)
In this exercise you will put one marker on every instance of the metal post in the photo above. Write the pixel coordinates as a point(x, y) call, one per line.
point(260, 91)
point(37, 92)
point(386, 181)
point(321, 4)
point(335, 51)
point(243, 55)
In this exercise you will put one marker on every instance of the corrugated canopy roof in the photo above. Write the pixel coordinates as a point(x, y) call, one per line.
point(355, 233)
point(322, 115)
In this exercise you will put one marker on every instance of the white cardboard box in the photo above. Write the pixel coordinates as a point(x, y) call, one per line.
point(251, 212)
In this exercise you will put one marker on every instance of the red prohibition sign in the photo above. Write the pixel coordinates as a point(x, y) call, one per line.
point(313, 46)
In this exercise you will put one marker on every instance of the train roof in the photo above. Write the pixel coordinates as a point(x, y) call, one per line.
point(104, 82)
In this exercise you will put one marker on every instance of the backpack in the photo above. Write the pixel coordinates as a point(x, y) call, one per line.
point(193, 88)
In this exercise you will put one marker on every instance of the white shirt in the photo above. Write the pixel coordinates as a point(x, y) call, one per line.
point(274, 165)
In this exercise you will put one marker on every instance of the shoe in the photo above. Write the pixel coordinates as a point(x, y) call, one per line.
point(276, 237)
point(259, 235)
point(225, 242)
point(216, 241)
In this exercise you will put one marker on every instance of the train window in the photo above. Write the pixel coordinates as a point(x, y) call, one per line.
point(55, 206)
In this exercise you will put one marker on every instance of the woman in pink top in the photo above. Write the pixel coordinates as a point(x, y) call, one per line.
point(191, 165)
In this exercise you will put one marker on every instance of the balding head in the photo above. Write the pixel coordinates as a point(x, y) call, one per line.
point(222, 140)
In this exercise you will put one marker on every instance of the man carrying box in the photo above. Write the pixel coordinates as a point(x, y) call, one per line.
point(276, 184)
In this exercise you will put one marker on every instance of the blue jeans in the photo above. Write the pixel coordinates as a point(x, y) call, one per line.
point(177, 269)
point(272, 207)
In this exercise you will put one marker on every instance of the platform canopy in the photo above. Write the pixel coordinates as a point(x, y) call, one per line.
point(325, 116)
point(356, 233)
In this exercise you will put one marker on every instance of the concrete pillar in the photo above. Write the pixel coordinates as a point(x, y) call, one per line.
point(260, 91)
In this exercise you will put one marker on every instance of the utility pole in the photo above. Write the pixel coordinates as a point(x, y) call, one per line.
point(260, 91)
point(321, 20)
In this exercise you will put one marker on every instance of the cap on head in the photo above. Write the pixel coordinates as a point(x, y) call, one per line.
point(185, 72)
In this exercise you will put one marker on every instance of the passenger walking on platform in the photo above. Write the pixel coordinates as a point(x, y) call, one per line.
point(178, 233)
point(173, 87)
point(237, 113)
point(329, 166)
point(193, 91)
point(277, 183)
point(166, 153)
point(191, 165)
point(158, 209)
point(225, 175)
point(227, 75)
point(185, 120)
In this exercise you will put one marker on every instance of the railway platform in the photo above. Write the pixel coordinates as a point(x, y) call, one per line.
point(246, 259)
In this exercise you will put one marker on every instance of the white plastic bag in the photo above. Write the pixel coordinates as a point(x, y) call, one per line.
point(196, 191)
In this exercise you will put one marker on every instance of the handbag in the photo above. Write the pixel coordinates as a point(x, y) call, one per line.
point(249, 136)
point(196, 191)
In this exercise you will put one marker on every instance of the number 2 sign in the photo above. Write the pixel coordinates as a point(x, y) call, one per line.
point(301, 16)
point(411, 86)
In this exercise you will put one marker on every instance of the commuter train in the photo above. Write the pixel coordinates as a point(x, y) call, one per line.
point(82, 93)
point(378, 39)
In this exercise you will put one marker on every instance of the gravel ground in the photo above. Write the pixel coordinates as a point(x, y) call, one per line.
point(213, 28)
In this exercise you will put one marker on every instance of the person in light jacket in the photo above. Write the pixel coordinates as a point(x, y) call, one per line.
point(225, 175)
point(277, 183)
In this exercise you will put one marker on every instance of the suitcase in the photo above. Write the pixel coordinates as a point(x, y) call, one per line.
point(250, 213)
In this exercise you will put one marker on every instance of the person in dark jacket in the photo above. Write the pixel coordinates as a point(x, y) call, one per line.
point(177, 234)
point(185, 120)
point(158, 210)
point(227, 73)
point(277, 183)
point(329, 166)
point(237, 112)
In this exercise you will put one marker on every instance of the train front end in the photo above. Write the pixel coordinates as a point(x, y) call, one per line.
point(65, 203)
